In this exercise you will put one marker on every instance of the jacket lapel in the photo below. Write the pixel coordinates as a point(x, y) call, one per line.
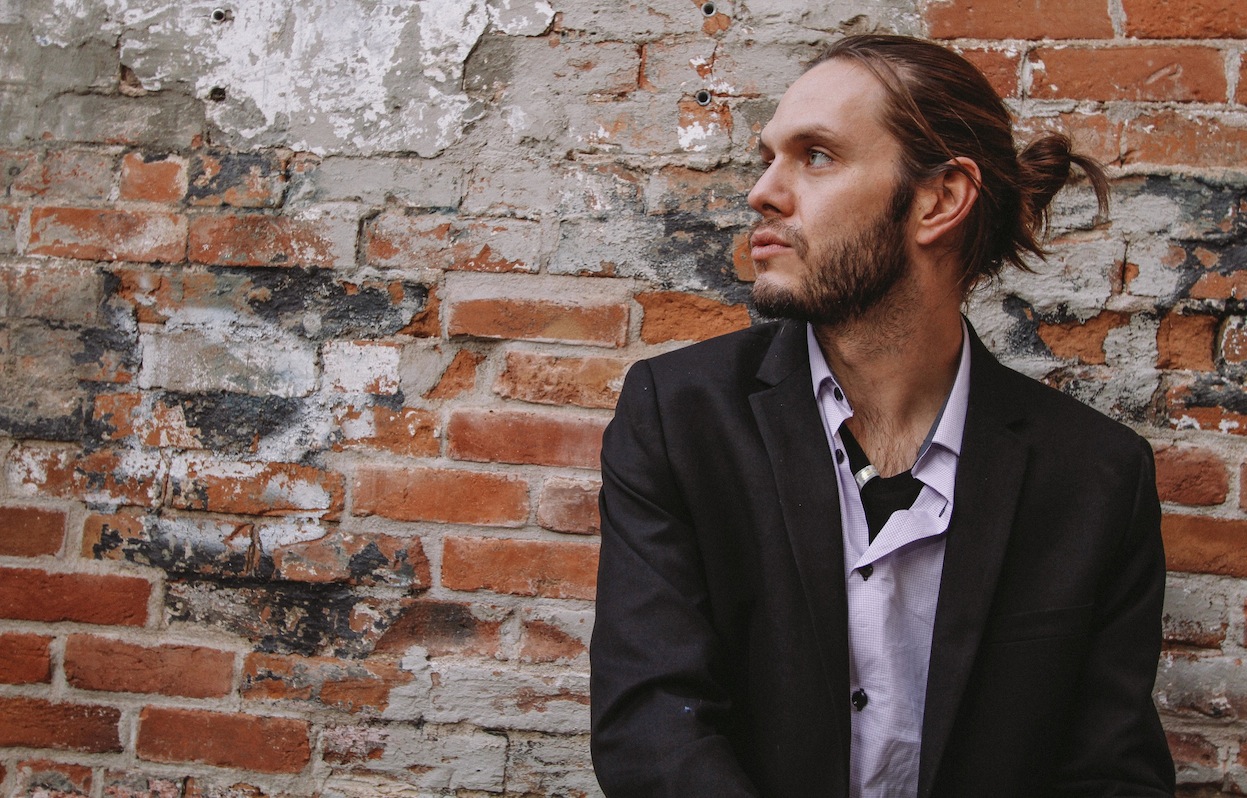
point(805, 480)
point(989, 483)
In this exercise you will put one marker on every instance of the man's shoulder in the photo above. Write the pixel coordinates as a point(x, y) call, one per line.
point(1050, 416)
point(729, 356)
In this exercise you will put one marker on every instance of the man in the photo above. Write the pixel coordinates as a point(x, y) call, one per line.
point(849, 553)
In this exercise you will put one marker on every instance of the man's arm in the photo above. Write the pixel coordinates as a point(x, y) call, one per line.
point(658, 706)
point(1117, 745)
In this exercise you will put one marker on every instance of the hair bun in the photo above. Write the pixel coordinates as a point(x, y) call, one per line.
point(1044, 168)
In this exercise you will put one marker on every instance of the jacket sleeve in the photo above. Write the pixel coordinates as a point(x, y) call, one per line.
point(658, 706)
point(1117, 746)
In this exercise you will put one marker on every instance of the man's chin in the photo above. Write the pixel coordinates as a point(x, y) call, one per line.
point(776, 301)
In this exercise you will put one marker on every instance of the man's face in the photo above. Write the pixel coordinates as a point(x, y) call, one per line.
point(832, 241)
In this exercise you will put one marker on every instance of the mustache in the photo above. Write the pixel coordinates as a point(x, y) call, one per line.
point(788, 233)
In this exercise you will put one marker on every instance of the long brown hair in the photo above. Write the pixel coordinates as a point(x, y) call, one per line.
point(940, 107)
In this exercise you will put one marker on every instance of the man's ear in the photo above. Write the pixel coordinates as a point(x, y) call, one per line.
point(946, 201)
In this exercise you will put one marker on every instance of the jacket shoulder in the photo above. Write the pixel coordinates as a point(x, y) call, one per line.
point(727, 357)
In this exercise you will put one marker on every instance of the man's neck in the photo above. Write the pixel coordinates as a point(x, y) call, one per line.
point(896, 367)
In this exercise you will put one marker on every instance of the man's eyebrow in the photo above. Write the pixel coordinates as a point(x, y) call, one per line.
point(806, 134)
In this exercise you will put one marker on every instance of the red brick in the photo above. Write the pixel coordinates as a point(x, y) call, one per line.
point(238, 179)
point(443, 628)
point(548, 379)
point(105, 476)
point(712, 122)
point(458, 378)
point(71, 174)
point(434, 494)
point(30, 595)
point(1199, 544)
point(540, 320)
point(109, 235)
point(251, 488)
point(202, 788)
point(506, 436)
point(570, 506)
point(131, 784)
point(35, 723)
point(363, 559)
point(1156, 74)
point(25, 659)
point(393, 240)
point(1241, 94)
point(545, 642)
point(255, 239)
point(1094, 135)
point(30, 531)
point(156, 296)
point(428, 322)
point(1186, 342)
point(1019, 19)
point(1170, 138)
point(1194, 19)
point(349, 685)
point(520, 567)
point(675, 316)
point(101, 531)
point(680, 189)
point(368, 367)
point(1185, 416)
point(9, 217)
point(98, 663)
point(1000, 67)
point(497, 245)
point(247, 742)
point(1194, 757)
point(1082, 340)
point(155, 423)
point(743, 267)
point(1191, 476)
point(1234, 342)
point(408, 431)
point(43, 779)
point(1220, 286)
point(1242, 494)
point(17, 167)
point(153, 178)
point(1192, 751)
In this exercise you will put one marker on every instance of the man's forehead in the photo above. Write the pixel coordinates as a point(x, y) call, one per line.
point(836, 99)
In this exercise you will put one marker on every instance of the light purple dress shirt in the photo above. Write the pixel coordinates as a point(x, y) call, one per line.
point(892, 586)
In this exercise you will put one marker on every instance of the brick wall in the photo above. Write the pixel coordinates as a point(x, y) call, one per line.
point(314, 315)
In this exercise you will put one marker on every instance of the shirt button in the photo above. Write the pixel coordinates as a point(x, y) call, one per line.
point(839, 394)
point(866, 571)
point(839, 455)
point(859, 699)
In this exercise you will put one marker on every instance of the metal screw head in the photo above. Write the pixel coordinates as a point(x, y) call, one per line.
point(708, 9)
point(703, 97)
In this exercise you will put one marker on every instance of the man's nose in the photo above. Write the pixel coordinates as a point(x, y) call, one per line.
point(770, 196)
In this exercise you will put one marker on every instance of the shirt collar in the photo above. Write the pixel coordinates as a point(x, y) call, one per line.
point(949, 426)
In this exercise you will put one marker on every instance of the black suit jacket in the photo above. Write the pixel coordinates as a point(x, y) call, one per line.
point(720, 651)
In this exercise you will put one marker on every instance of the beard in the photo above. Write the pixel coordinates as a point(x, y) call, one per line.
point(844, 278)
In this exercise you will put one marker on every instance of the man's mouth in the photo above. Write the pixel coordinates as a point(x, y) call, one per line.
point(765, 244)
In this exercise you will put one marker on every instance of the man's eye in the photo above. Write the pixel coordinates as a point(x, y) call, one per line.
point(818, 158)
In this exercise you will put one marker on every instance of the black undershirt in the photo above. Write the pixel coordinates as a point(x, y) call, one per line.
point(881, 496)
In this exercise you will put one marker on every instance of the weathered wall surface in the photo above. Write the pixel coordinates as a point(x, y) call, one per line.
point(313, 314)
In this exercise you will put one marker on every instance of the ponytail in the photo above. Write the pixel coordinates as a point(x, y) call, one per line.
point(1044, 168)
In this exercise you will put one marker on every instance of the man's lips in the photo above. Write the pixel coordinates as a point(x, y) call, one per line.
point(766, 244)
